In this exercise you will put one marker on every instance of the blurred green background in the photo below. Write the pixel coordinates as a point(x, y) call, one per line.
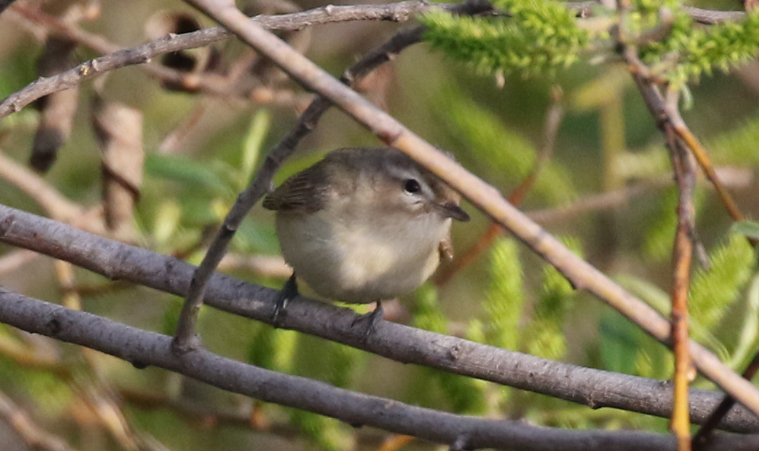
point(607, 142)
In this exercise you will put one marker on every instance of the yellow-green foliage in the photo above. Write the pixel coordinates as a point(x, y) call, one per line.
point(747, 341)
point(334, 363)
point(737, 146)
point(463, 394)
point(273, 349)
point(326, 433)
point(505, 296)
point(539, 37)
point(290, 352)
point(545, 337)
point(428, 314)
point(342, 363)
point(701, 50)
point(660, 235)
point(715, 289)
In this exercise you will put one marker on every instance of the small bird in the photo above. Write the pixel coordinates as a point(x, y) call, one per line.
point(363, 225)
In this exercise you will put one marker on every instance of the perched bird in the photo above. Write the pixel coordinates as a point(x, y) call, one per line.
point(363, 225)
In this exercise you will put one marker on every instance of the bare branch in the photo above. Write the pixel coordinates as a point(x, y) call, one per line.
point(55, 203)
point(580, 273)
point(144, 348)
point(30, 432)
point(116, 58)
point(585, 386)
point(685, 175)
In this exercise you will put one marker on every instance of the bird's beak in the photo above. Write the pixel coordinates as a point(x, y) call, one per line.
point(451, 210)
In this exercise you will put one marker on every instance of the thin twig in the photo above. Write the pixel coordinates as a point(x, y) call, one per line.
point(683, 256)
point(41, 191)
point(32, 434)
point(701, 155)
point(56, 204)
point(115, 57)
point(15, 260)
point(208, 83)
point(720, 413)
point(598, 202)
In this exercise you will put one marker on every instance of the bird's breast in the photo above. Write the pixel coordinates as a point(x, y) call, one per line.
point(362, 261)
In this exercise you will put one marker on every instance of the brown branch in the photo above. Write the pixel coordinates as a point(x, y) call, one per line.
point(586, 386)
point(209, 416)
point(39, 190)
point(115, 57)
point(704, 433)
point(12, 261)
point(668, 116)
point(94, 392)
point(42, 192)
point(118, 129)
point(702, 156)
point(683, 256)
point(148, 348)
point(579, 272)
point(598, 202)
point(32, 434)
point(195, 81)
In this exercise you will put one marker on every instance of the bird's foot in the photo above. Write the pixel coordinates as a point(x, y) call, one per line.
point(289, 291)
point(372, 318)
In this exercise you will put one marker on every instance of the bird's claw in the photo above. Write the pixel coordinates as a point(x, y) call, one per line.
point(373, 318)
point(289, 291)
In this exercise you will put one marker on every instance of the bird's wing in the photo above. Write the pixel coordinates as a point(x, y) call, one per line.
point(304, 192)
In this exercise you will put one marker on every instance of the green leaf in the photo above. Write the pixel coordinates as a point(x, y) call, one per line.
point(619, 343)
point(428, 314)
point(545, 337)
point(185, 170)
point(538, 38)
point(747, 228)
point(749, 331)
point(715, 289)
point(504, 298)
point(251, 149)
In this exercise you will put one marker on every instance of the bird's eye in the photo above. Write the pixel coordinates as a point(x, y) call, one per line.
point(411, 186)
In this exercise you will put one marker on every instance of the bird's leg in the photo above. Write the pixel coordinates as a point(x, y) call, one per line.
point(373, 318)
point(289, 291)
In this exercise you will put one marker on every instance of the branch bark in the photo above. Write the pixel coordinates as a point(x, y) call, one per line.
point(594, 388)
point(143, 348)
point(579, 272)
point(116, 58)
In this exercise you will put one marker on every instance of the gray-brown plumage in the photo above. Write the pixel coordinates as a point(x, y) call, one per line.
point(364, 224)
